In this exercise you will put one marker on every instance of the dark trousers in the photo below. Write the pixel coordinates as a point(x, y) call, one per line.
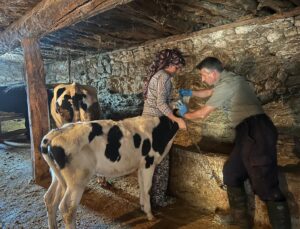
point(254, 156)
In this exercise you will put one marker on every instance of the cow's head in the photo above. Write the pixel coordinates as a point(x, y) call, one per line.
point(73, 102)
point(63, 99)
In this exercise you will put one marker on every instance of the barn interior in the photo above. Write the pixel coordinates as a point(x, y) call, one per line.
point(109, 44)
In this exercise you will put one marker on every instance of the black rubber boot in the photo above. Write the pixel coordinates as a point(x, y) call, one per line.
point(238, 213)
point(279, 215)
point(238, 207)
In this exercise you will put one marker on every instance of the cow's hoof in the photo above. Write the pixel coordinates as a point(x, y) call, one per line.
point(150, 217)
point(104, 183)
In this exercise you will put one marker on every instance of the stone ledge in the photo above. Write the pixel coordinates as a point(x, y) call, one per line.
point(288, 146)
point(191, 181)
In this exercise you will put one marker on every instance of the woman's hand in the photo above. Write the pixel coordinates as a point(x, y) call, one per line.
point(181, 123)
point(185, 92)
point(182, 108)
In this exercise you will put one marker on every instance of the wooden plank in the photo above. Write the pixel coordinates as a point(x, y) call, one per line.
point(38, 105)
point(51, 15)
point(12, 134)
point(5, 116)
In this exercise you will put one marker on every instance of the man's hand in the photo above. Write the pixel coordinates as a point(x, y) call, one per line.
point(182, 108)
point(185, 92)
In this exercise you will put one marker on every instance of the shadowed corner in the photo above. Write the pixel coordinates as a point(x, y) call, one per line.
point(286, 174)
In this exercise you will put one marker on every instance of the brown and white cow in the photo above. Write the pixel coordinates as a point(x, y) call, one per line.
point(73, 103)
point(77, 151)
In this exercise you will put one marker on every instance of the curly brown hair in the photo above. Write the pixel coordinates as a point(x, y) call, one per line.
point(162, 60)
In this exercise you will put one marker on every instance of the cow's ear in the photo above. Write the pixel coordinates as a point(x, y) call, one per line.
point(56, 107)
point(59, 92)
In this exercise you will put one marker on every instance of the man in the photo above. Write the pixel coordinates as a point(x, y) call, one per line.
point(254, 153)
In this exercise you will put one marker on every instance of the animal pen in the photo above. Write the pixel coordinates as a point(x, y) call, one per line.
point(108, 45)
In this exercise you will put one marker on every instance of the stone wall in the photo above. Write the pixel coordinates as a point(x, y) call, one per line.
point(265, 51)
point(11, 73)
point(117, 80)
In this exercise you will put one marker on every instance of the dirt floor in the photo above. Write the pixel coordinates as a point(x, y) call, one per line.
point(21, 201)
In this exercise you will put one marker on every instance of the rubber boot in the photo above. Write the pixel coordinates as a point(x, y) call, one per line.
point(238, 214)
point(279, 215)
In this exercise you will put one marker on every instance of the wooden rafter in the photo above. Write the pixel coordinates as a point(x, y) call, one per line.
point(51, 15)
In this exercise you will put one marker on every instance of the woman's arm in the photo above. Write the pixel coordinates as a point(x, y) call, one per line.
point(164, 88)
point(181, 123)
point(163, 92)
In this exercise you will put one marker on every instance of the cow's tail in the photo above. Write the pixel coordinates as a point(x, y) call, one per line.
point(46, 152)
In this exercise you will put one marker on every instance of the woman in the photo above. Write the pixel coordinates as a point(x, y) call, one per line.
point(157, 95)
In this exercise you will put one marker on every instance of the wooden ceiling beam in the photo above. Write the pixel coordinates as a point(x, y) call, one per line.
point(51, 15)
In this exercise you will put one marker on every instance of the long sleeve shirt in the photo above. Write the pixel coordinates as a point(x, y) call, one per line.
point(159, 95)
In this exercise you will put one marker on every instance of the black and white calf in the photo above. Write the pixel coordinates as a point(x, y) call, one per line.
point(77, 151)
point(73, 103)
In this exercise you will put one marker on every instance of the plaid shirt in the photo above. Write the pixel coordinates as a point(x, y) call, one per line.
point(158, 95)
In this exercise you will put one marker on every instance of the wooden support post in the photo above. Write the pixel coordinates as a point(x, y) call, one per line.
point(37, 106)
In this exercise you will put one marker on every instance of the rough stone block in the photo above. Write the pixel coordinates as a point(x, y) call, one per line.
point(244, 29)
point(217, 35)
point(257, 42)
point(274, 36)
point(289, 32)
point(297, 21)
point(192, 179)
point(220, 44)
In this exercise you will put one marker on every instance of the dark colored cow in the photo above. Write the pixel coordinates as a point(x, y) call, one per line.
point(14, 99)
